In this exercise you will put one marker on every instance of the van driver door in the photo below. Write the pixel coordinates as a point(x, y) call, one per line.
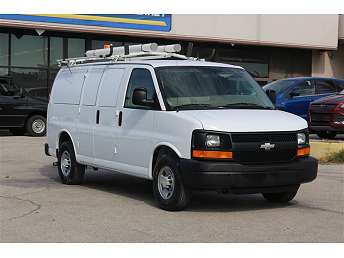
point(136, 124)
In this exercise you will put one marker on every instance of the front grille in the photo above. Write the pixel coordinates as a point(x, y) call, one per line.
point(247, 147)
point(319, 119)
point(263, 137)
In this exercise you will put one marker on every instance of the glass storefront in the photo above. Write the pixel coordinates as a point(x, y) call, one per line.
point(4, 49)
point(29, 51)
point(56, 51)
point(30, 59)
point(76, 47)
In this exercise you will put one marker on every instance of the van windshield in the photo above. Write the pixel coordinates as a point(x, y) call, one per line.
point(205, 87)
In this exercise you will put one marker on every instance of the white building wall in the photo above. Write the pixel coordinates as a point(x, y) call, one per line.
point(328, 63)
point(313, 31)
point(307, 31)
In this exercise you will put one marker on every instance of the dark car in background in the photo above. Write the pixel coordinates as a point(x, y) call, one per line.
point(327, 116)
point(22, 110)
point(294, 95)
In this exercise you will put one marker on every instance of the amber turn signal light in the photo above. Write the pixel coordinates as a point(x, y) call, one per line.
point(212, 154)
point(303, 151)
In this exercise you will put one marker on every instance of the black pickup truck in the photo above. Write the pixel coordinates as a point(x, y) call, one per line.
point(22, 110)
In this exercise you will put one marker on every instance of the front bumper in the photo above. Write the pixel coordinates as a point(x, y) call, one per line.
point(248, 178)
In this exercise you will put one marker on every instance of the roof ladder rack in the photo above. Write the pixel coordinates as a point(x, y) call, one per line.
point(149, 51)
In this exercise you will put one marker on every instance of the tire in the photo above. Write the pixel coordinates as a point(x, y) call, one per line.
point(36, 125)
point(66, 158)
point(167, 167)
point(282, 197)
point(17, 131)
point(327, 134)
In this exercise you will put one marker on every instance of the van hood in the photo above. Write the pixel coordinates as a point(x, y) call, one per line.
point(247, 120)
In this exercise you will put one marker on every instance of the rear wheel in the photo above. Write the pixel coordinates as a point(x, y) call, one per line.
point(327, 134)
point(70, 171)
point(36, 125)
point(169, 190)
point(282, 197)
point(17, 131)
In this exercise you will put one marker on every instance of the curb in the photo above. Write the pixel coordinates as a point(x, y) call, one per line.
point(320, 149)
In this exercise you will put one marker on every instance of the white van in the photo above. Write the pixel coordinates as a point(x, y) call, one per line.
point(183, 123)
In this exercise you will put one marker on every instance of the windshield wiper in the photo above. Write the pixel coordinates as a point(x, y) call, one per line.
point(245, 105)
point(190, 106)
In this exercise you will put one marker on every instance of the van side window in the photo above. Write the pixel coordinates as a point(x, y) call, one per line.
point(325, 86)
point(305, 88)
point(140, 78)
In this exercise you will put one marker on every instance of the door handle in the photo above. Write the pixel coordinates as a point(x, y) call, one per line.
point(97, 117)
point(120, 118)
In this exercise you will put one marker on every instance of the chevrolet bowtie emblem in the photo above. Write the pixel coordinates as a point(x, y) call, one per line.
point(267, 146)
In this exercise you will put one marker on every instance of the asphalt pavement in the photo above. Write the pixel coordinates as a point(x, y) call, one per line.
point(110, 207)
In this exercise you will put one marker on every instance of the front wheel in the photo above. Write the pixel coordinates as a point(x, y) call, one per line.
point(169, 190)
point(70, 171)
point(282, 197)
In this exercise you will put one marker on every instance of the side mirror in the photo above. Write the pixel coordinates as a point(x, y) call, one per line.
point(294, 94)
point(272, 96)
point(140, 98)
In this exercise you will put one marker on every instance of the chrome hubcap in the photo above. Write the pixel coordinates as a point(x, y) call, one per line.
point(66, 163)
point(38, 126)
point(166, 182)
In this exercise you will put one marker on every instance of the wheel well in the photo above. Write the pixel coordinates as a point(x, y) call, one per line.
point(63, 138)
point(161, 149)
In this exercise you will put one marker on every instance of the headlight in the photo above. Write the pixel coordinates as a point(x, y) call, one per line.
point(303, 148)
point(211, 145)
point(212, 141)
point(301, 139)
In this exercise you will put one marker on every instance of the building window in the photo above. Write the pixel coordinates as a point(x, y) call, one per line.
point(3, 71)
point(29, 51)
point(96, 44)
point(76, 47)
point(56, 50)
point(253, 60)
point(257, 70)
point(34, 81)
point(4, 49)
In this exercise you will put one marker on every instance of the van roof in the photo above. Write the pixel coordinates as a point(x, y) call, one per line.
point(162, 63)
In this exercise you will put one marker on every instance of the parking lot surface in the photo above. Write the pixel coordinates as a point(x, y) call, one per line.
point(109, 207)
